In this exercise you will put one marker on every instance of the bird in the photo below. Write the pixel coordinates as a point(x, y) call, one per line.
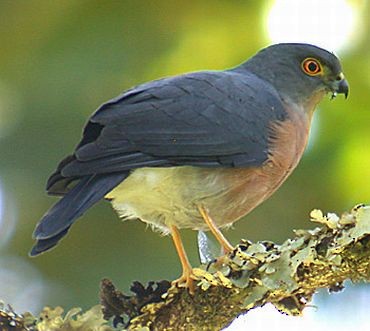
point(195, 151)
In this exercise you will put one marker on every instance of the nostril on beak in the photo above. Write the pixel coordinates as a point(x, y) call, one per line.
point(340, 77)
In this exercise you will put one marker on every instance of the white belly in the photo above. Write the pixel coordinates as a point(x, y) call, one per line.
point(165, 196)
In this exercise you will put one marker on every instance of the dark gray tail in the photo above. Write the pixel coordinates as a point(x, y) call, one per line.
point(56, 222)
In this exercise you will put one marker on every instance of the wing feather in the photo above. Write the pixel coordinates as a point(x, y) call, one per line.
point(209, 119)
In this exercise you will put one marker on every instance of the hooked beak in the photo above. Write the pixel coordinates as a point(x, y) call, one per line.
point(339, 86)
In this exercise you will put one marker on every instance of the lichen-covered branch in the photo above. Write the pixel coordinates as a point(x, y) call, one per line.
point(252, 275)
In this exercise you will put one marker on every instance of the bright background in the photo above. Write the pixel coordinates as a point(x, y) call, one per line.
point(60, 60)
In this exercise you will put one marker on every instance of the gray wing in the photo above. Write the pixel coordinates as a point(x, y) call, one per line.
point(207, 119)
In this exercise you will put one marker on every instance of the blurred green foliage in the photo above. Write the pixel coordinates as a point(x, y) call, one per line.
point(60, 59)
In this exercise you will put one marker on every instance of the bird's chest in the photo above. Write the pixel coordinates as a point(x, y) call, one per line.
point(287, 143)
point(248, 187)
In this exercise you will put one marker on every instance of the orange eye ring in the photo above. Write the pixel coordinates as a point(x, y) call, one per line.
point(311, 67)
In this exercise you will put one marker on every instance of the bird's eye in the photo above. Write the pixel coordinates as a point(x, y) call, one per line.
point(311, 67)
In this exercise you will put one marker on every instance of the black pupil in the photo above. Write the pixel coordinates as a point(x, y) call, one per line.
point(312, 66)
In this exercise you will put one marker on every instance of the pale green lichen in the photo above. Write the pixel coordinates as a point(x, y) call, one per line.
point(74, 320)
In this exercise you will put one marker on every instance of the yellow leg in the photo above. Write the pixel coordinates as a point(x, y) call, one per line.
point(187, 270)
point(227, 247)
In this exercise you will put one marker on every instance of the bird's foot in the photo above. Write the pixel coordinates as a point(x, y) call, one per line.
point(186, 280)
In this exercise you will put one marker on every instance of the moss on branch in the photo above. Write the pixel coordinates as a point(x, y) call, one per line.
point(252, 275)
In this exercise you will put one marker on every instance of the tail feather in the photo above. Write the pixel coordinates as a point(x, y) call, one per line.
point(43, 245)
point(57, 221)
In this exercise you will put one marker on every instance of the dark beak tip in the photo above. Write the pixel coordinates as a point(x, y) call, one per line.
point(343, 88)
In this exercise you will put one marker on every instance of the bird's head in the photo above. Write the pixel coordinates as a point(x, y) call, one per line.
point(302, 73)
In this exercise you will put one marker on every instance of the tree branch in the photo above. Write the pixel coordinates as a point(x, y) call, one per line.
point(252, 275)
